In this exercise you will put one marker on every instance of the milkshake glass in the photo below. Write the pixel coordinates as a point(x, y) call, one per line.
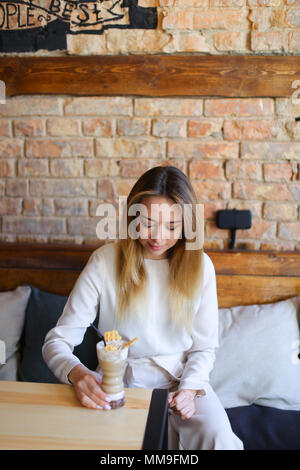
point(112, 366)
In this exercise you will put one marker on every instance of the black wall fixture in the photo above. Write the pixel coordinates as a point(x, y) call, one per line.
point(234, 219)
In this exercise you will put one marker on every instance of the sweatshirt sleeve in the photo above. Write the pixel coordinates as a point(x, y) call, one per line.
point(205, 334)
point(80, 310)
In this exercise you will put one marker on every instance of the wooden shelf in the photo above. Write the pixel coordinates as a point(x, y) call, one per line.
point(152, 75)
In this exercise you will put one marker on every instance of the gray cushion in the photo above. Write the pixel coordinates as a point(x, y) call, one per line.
point(257, 361)
point(12, 313)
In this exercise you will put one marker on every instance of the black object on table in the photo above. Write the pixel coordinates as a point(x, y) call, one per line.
point(156, 431)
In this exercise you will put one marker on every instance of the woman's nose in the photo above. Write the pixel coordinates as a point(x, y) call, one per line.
point(157, 234)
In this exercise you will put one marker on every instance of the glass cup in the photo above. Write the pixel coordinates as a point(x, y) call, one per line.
point(112, 366)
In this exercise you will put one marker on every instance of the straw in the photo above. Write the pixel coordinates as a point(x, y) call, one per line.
point(99, 333)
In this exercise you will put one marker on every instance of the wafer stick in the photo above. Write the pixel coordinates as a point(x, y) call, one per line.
point(129, 343)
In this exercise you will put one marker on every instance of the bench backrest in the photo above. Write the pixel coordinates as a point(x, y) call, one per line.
point(243, 277)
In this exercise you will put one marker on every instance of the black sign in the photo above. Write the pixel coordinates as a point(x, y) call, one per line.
point(29, 25)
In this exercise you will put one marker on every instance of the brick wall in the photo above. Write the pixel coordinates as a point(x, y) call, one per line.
point(61, 156)
point(189, 26)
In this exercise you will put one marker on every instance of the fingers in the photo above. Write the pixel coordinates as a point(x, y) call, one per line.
point(90, 393)
point(182, 403)
point(170, 397)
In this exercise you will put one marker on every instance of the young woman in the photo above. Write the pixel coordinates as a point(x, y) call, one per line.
point(152, 285)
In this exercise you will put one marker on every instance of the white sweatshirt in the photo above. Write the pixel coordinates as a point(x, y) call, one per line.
point(163, 356)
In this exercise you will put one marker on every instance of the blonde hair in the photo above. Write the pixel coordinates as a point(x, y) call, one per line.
point(185, 266)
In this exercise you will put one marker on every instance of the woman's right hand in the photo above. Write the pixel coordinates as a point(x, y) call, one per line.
point(87, 385)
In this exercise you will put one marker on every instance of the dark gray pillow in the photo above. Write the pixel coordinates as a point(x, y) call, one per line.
point(42, 312)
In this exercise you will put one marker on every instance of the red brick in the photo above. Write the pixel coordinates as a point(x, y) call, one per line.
point(32, 225)
point(168, 107)
point(68, 188)
point(10, 206)
point(101, 167)
point(260, 230)
point(236, 170)
point(73, 206)
point(230, 41)
point(254, 206)
point(63, 127)
point(66, 168)
point(115, 147)
point(178, 19)
point(221, 19)
point(67, 239)
point(262, 191)
point(169, 127)
point(294, 41)
point(82, 226)
point(33, 168)
point(295, 191)
point(134, 168)
point(211, 190)
point(98, 106)
point(188, 42)
point(263, 3)
point(206, 170)
point(11, 147)
point(29, 127)
point(95, 206)
point(16, 187)
point(207, 149)
point(32, 238)
point(277, 246)
point(106, 189)
point(239, 107)
point(276, 41)
point(280, 211)
point(211, 230)
point(98, 127)
point(59, 148)
point(292, 18)
point(130, 148)
point(205, 128)
point(133, 126)
point(289, 231)
point(31, 105)
point(7, 168)
point(32, 206)
point(271, 150)
point(260, 129)
point(124, 186)
point(211, 209)
point(279, 171)
point(5, 128)
point(188, 3)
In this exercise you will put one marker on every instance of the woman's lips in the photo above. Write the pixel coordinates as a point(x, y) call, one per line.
point(156, 247)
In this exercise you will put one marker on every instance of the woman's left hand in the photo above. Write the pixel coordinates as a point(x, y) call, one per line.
point(183, 402)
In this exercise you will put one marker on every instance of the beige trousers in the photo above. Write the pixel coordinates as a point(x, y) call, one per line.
point(208, 429)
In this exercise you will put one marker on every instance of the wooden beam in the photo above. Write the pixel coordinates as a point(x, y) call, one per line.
point(152, 75)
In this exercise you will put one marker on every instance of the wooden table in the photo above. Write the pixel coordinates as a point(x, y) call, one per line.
point(49, 416)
